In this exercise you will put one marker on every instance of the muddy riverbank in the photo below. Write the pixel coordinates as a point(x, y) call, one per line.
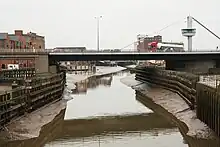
point(103, 115)
point(174, 105)
point(29, 125)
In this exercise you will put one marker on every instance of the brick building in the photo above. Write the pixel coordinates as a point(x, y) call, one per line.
point(143, 40)
point(19, 40)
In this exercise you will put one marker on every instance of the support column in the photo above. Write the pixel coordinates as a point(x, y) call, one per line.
point(42, 64)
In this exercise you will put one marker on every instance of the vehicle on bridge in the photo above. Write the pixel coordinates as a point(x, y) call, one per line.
point(165, 47)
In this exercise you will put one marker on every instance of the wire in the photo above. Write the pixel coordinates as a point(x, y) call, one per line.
point(154, 33)
point(206, 28)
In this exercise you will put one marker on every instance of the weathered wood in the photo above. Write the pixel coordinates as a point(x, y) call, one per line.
point(180, 82)
point(17, 73)
point(208, 106)
point(204, 98)
point(36, 92)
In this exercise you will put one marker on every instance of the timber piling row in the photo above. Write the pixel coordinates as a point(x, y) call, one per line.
point(203, 98)
point(32, 93)
point(180, 82)
point(208, 106)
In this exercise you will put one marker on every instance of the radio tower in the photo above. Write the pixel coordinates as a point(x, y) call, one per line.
point(189, 32)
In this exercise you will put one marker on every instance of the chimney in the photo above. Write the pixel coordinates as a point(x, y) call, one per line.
point(18, 32)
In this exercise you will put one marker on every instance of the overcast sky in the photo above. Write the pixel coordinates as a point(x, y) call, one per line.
point(72, 22)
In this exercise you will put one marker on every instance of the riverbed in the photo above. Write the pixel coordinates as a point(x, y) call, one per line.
point(104, 112)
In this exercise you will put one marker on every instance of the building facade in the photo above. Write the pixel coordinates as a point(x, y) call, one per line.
point(86, 66)
point(144, 40)
point(19, 40)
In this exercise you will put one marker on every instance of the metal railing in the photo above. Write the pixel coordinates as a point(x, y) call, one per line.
point(84, 51)
point(24, 51)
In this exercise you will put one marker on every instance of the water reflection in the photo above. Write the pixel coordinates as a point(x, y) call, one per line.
point(139, 139)
point(117, 99)
point(191, 141)
point(48, 133)
point(92, 82)
point(141, 129)
point(112, 124)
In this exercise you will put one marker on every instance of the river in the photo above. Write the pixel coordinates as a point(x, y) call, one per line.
point(106, 113)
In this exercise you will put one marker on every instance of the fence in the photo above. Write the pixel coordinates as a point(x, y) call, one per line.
point(208, 106)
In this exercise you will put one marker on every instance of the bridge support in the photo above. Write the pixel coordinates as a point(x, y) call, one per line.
point(196, 67)
point(42, 64)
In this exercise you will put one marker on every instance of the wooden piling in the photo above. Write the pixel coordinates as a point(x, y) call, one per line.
point(35, 92)
point(208, 106)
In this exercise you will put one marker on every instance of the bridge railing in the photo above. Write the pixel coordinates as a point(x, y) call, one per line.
point(24, 50)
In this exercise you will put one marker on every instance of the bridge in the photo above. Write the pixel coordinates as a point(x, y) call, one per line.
point(117, 56)
point(187, 61)
point(113, 56)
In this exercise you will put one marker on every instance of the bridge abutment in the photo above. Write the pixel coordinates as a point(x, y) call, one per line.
point(42, 64)
point(196, 67)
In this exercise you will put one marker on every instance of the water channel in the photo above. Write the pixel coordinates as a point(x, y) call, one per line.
point(106, 113)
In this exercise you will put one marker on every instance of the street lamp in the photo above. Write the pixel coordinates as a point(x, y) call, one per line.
point(98, 18)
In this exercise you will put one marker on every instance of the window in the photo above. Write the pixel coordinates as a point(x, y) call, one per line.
point(3, 66)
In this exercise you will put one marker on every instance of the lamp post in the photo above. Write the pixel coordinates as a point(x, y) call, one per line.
point(98, 18)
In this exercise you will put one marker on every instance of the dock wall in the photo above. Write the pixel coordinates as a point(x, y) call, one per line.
point(30, 94)
point(208, 106)
point(180, 82)
point(203, 98)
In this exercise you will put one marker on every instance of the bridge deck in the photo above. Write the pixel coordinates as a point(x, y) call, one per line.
point(135, 56)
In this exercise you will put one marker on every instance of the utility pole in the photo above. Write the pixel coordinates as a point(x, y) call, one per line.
point(98, 35)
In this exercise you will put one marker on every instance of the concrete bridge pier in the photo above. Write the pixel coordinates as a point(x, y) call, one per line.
point(192, 66)
point(42, 64)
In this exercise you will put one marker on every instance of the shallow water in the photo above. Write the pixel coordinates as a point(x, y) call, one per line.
point(106, 113)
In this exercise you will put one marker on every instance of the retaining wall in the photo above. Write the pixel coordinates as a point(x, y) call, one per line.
point(35, 92)
point(208, 106)
point(204, 98)
point(180, 82)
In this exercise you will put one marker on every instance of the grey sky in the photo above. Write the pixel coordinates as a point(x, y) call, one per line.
point(72, 22)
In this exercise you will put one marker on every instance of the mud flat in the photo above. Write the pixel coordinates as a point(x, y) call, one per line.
point(29, 125)
point(174, 104)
